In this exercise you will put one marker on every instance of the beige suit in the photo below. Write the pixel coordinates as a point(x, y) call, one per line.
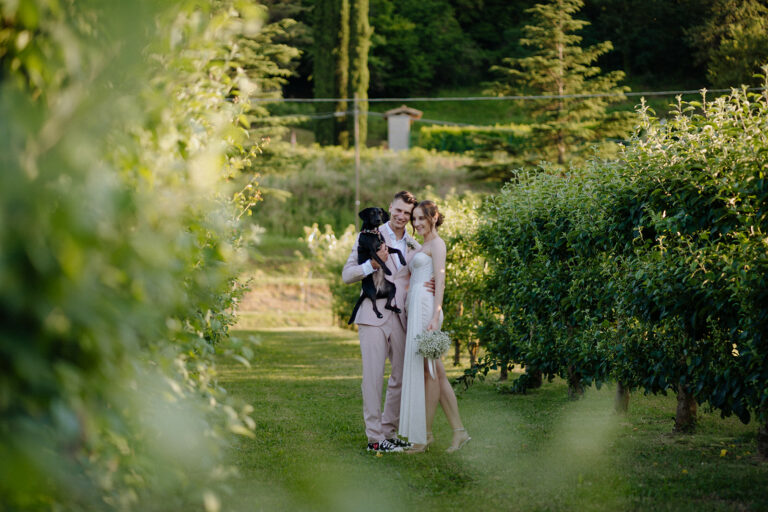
point(381, 338)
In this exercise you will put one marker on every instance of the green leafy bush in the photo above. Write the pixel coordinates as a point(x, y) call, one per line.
point(465, 270)
point(649, 269)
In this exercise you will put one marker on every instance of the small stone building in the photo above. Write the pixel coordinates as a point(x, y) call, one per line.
point(399, 126)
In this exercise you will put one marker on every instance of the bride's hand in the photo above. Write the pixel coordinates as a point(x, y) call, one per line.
point(434, 325)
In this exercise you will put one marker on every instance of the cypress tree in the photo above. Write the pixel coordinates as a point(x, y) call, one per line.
point(359, 44)
point(558, 66)
point(342, 74)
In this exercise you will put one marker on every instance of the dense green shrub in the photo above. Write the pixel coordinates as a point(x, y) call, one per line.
point(649, 269)
point(465, 271)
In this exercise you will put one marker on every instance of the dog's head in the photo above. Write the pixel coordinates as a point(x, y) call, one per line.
point(373, 217)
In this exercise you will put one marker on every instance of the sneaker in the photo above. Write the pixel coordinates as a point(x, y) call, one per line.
point(400, 442)
point(383, 447)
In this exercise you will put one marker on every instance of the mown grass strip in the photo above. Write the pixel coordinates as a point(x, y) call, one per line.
point(534, 452)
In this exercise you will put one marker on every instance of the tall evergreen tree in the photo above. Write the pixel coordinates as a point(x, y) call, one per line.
point(326, 29)
point(342, 74)
point(359, 44)
point(559, 66)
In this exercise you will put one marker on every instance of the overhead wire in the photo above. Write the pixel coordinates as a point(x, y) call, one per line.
point(524, 97)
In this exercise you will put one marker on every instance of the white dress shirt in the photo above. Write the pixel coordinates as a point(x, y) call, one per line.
point(396, 244)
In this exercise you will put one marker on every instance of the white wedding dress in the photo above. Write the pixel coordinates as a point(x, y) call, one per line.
point(419, 306)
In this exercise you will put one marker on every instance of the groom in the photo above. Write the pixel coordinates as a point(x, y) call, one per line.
point(384, 337)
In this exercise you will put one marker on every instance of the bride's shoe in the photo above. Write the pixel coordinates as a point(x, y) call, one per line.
point(418, 448)
point(458, 444)
point(421, 448)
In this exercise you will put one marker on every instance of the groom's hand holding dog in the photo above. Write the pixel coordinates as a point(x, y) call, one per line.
point(383, 254)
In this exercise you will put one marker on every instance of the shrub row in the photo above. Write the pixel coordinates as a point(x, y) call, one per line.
point(461, 139)
point(650, 270)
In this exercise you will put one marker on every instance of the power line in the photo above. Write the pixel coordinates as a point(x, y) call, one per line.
point(329, 115)
point(500, 98)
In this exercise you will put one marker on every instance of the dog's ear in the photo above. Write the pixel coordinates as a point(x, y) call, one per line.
point(384, 214)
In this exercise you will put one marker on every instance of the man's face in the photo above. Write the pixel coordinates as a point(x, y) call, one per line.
point(400, 213)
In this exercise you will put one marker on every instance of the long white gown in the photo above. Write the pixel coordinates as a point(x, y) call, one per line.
point(419, 305)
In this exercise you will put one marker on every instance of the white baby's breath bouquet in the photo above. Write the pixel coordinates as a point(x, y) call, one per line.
point(433, 344)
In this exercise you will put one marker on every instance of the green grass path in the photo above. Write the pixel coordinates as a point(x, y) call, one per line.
point(538, 452)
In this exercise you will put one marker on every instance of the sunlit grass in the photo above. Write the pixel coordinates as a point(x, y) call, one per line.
point(534, 452)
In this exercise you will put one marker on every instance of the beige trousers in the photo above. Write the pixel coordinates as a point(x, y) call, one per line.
point(376, 345)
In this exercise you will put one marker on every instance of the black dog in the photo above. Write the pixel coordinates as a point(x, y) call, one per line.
point(369, 242)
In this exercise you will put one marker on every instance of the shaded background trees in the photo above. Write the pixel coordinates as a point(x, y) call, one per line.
point(417, 47)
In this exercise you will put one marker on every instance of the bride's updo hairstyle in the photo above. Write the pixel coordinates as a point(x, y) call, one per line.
point(430, 211)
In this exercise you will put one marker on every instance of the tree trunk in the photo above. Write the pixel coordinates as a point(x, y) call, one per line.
point(504, 374)
point(457, 342)
point(621, 404)
point(575, 386)
point(685, 419)
point(762, 440)
point(535, 378)
point(456, 352)
point(473, 346)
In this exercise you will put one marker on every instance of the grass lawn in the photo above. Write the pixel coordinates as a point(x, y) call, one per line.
point(535, 452)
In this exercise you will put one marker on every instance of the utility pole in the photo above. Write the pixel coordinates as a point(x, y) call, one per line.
point(357, 164)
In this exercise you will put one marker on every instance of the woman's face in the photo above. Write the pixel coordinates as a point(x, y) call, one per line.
point(420, 222)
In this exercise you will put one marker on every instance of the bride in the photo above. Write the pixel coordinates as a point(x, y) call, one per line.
point(421, 392)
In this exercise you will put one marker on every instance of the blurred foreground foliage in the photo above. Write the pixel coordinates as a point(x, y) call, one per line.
point(123, 131)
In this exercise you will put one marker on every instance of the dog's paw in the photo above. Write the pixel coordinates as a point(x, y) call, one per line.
point(379, 315)
point(395, 309)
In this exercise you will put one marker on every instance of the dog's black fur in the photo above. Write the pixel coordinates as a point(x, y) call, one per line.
point(369, 242)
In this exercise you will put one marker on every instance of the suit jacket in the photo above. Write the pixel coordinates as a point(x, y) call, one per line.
point(353, 273)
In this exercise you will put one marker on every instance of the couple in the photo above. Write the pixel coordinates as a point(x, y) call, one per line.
point(412, 394)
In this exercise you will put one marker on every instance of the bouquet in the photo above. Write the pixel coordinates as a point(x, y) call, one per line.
point(432, 345)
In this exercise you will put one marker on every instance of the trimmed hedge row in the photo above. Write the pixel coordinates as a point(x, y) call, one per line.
point(460, 139)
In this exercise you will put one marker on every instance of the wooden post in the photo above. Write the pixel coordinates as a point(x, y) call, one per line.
point(357, 163)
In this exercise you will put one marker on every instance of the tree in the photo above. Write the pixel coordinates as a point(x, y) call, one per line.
point(342, 41)
point(558, 66)
point(359, 44)
point(733, 41)
point(326, 30)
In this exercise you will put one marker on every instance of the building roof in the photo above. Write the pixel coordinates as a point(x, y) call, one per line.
point(403, 110)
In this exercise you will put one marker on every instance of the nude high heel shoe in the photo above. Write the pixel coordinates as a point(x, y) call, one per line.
point(421, 448)
point(464, 439)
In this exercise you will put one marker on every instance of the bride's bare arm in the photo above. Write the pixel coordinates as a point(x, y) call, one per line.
point(438, 263)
